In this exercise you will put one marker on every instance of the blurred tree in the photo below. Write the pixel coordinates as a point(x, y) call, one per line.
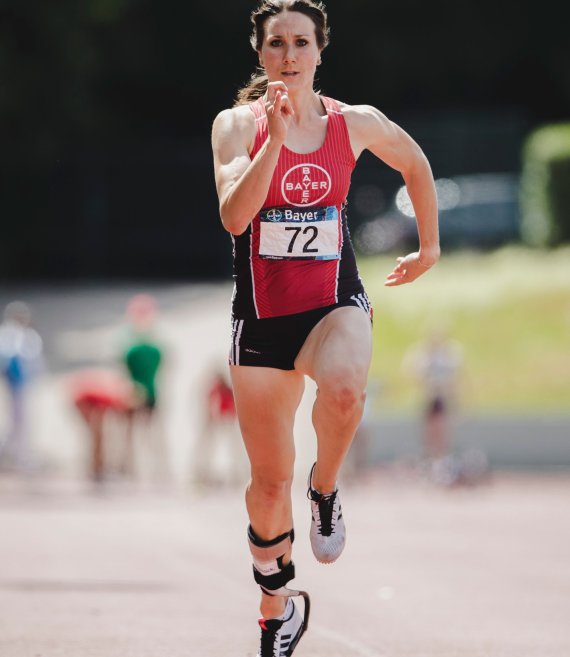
point(545, 192)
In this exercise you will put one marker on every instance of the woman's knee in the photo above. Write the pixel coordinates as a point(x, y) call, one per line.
point(273, 489)
point(342, 390)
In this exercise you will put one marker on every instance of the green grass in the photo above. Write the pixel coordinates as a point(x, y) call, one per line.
point(509, 309)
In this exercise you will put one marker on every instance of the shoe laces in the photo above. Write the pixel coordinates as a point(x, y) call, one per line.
point(326, 509)
point(269, 629)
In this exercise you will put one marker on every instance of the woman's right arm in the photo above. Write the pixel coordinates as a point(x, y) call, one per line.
point(243, 183)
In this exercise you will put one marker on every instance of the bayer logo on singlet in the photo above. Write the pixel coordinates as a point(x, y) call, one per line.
point(274, 215)
point(305, 184)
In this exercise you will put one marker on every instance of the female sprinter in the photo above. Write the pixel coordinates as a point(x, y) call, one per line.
point(283, 157)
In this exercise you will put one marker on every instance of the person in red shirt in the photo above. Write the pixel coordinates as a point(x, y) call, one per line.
point(221, 404)
point(97, 394)
point(218, 436)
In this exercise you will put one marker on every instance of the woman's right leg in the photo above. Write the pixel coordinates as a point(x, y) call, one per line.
point(266, 401)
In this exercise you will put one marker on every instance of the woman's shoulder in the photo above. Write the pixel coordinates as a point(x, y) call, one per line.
point(235, 123)
point(360, 114)
point(366, 125)
point(240, 116)
point(366, 120)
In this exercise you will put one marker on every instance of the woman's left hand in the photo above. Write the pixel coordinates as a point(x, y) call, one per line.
point(408, 269)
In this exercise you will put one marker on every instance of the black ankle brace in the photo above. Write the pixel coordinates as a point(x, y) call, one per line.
point(268, 568)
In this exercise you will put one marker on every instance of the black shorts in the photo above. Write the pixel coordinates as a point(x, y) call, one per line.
point(277, 341)
point(436, 406)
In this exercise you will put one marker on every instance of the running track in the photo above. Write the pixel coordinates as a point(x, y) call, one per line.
point(133, 571)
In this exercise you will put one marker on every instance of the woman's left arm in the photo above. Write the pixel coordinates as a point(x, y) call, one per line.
point(370, 129)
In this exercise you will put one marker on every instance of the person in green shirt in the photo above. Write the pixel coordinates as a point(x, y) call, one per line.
point(142, 357)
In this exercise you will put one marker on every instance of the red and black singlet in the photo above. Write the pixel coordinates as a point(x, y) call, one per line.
point(296, 255)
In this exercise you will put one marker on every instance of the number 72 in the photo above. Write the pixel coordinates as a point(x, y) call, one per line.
point(308, 229)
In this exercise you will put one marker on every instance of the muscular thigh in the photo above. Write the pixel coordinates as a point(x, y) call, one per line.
point(266, 402)
point(340, 343)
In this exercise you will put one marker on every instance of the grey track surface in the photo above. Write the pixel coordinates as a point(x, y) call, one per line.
point(427, 572)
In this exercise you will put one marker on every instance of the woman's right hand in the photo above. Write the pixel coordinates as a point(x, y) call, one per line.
point(279, 111)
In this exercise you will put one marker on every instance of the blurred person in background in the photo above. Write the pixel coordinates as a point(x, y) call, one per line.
point(219, 430)
point(283, 158)
point(142, 357)
point(119, 403)
point(106, 401)
point(141, 352)
point(436, 365)
point(21, 362)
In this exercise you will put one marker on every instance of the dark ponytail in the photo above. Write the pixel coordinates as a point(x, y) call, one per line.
point(315, 10)
point(254, 89)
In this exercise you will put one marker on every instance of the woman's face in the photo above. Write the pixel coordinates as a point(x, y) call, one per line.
point(289, 51)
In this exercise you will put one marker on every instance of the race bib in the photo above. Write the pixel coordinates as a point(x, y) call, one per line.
point(299, 233)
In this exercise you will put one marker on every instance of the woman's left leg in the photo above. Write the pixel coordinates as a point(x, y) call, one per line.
point(337, 356)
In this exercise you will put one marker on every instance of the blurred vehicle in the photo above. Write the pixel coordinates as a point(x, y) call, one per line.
point(478, 211)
